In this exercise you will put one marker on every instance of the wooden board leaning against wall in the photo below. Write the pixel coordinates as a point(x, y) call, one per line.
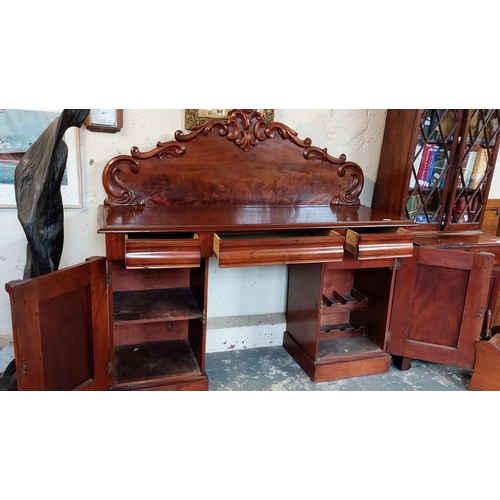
point(491, 225)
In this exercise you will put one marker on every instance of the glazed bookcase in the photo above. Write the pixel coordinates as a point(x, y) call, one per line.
point(459, 147)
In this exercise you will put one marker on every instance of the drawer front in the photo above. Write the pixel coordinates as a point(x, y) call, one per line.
point(162, 252)
point(382, 244)
point(275, 248)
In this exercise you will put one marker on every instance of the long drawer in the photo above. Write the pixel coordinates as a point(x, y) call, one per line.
point(163, 250)
point(379, 244)
point(278, 247)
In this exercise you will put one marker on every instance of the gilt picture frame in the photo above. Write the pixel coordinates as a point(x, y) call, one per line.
point(194, 117)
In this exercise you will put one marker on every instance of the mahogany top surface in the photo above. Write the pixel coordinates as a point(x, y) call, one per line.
point(457, 239)
point(176, 218)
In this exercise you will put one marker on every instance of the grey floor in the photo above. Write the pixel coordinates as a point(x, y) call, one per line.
point(273, 369)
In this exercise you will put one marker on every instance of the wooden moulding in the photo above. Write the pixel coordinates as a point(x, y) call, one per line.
point(166, 252)
point(369, 363)
point(394, 243)
point(274, 248)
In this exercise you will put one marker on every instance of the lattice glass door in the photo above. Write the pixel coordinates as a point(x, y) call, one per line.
point(476, 159)
point(432, 165)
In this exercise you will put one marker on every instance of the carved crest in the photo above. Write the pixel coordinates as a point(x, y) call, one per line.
point(246, 129)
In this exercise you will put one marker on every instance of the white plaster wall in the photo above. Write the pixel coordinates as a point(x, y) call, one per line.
point(246, 306)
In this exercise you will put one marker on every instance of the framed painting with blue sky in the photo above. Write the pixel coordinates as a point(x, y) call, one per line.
point(19, 128)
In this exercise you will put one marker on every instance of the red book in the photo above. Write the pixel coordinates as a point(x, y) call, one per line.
point(424, 165)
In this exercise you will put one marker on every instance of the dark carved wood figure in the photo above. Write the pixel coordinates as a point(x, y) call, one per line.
point(37, 185)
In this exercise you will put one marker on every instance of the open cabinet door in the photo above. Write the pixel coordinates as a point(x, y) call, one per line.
point(60, 325)
point(439, 306)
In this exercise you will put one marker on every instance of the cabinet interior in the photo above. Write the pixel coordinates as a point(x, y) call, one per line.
point(158, 323)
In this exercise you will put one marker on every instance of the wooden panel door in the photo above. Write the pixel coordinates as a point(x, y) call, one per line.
point(61, 329)
point(439, 306)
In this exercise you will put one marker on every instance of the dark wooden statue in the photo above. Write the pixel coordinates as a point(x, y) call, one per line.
point(37, 183)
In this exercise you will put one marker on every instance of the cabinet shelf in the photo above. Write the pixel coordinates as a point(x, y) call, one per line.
point(346, 347)
point(155, 361)
point(145, 306)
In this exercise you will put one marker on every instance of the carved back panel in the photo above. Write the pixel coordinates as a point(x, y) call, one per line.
point(242, 161)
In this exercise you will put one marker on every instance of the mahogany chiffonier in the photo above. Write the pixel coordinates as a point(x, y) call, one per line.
point(250, 193)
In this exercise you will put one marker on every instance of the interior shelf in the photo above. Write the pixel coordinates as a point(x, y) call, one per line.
point(143, 306)
point(341, 329)
point(154, 361)
point(348, 302)
point(343, 347)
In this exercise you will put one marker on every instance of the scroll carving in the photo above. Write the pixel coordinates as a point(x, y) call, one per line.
point(119, 193)
point(163, 150)
point(348, 195)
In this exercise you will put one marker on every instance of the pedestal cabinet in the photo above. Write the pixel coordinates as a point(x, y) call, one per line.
point(249, 193)
point(435, 169)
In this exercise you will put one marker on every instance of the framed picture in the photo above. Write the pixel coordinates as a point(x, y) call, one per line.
point(194, 117)
point(105, 120)
point(19, 128)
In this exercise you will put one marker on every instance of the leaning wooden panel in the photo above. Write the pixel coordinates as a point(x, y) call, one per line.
point(486, 375)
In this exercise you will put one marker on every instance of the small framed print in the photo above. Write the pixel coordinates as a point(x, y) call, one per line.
point(105, 120)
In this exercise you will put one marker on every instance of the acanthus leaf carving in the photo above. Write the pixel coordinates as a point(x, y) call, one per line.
point(169, 149)
point(287, 133)
point(246, 128)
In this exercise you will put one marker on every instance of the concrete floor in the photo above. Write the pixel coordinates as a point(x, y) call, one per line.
point(273, 369)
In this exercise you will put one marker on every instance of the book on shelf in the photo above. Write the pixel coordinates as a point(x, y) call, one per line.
point(439, 166)
point(428, 158)
point(471, 159)
point(462, 210)
point(480, 165)
point(412, 205)
point(426, 218)
point(430, 122)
